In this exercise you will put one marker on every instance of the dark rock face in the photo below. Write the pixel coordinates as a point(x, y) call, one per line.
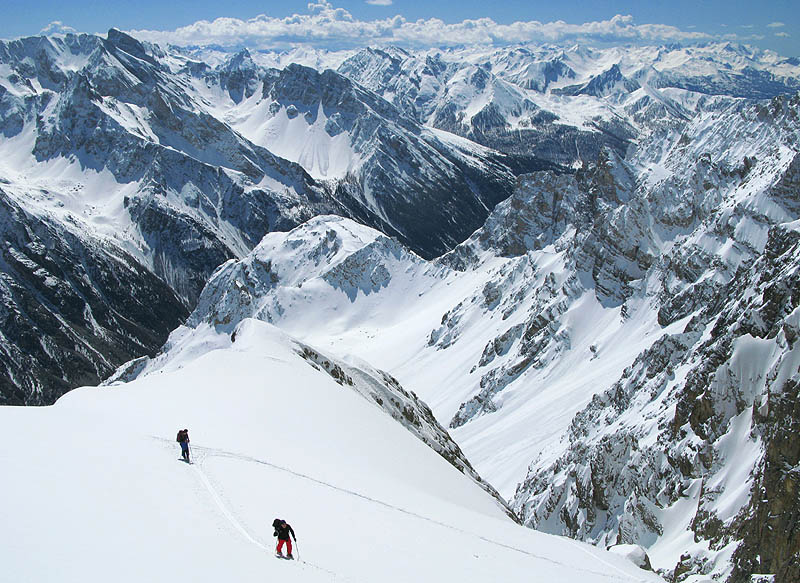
point(239, 76)
point(768, 527)
point(406, 408)
point(549, 143)
point(72, 310)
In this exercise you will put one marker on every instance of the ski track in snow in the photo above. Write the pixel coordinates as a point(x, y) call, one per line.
point(206, 452)
point(197, 466)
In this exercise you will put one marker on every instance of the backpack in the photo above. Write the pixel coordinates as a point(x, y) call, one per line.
point(178, 439)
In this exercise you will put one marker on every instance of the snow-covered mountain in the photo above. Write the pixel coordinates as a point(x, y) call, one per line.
point(461, 94)
point(563, 105)
point(375, 162)
point(276, 430)
point(102, 146)
point(151, 162)
point(180, 160)
point(606, 349)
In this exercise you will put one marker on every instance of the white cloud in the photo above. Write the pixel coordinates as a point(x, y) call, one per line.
point(325, 26)
point(57, 27)
point(776, 25)
point(380, 2)
point(783, 34)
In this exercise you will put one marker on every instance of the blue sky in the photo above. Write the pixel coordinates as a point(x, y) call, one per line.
point(773, 24)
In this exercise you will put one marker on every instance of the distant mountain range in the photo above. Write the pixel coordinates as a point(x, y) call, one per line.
point(585, 261)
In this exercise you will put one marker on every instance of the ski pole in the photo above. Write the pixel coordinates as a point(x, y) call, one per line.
point(296, 549)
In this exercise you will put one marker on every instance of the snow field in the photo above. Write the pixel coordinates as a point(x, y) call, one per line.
point(94, 487)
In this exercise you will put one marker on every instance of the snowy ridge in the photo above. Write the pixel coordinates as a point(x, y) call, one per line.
point(377, 387)
point(288, 270)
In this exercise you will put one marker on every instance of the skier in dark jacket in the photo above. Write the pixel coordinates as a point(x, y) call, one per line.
point(282, 531)
point(183, 439)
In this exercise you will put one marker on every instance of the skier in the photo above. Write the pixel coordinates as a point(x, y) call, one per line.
point(282, 531)
point(183, 439)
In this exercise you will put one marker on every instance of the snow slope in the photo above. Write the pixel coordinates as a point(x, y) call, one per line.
point(93, 487)
point(353, 291)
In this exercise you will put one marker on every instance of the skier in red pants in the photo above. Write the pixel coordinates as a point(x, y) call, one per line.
point(282, 531)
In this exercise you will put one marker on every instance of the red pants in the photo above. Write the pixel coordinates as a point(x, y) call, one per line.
point(288, 546)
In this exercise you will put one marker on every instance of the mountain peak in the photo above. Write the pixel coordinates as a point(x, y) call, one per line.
point(241, 61)
point(329, 251)
point(609, 82)
point(129, 44)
